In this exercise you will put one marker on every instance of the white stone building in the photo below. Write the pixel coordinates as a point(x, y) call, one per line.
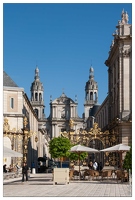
point(115, 113)
point(16, 106)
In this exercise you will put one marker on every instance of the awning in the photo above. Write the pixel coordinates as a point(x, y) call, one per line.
point(11, 153)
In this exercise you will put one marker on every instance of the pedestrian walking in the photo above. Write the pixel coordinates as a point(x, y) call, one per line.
point(24, 171)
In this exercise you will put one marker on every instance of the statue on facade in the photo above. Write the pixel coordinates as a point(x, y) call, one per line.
point(71, 123)
point(124, 17)
point(6, 126)
point(95, 125)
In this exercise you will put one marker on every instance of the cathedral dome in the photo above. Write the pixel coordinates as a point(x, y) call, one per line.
point(37, 85)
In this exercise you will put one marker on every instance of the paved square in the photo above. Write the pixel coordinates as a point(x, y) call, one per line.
point(41, 185)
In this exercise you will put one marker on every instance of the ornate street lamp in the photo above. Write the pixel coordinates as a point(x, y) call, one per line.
point(26, 135)
point(25, 139)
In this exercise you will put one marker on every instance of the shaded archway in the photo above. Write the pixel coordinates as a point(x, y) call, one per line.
point(96, 143)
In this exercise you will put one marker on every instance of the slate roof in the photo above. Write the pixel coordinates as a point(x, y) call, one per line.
point(94, 109)
point(7, 81)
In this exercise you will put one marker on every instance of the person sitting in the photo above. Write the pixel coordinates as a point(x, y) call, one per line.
point(100, 166)
point(72, 167)
point(4, 168)
point(90, 165)
point(17, 166)
point(95, 165)
point(10, 169)
point(14, 168)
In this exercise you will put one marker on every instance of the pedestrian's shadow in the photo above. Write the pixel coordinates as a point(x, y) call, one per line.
point(32, 181)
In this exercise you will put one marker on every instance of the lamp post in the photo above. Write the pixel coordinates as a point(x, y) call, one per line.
point(26, 135)
point(25, 139)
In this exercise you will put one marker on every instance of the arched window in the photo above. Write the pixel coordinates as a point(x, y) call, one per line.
point(36, 96)
point(36, 111)
point(87, 97)
point(91, 96)
point(40, 97)
point(32, 96)
point(95, 96)
point(12, 103)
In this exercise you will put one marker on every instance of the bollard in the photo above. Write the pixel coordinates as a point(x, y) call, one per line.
point(33, 171)
point(29, 170)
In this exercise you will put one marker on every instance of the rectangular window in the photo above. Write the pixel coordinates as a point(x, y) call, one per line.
point(12, 103)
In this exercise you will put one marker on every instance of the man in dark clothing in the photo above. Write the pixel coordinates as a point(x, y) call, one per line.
point(100, 166)
point(24, 172)
point(4, 168)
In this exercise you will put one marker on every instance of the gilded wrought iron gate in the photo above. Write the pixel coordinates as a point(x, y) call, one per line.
point(94, 138)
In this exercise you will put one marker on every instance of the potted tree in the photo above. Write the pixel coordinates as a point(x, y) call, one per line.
point(58, 148)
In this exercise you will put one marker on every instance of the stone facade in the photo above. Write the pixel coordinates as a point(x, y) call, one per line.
point(115, 114)
point(62, 110)
point(16, 106)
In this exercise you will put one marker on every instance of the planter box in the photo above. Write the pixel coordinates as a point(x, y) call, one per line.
point(61, 175)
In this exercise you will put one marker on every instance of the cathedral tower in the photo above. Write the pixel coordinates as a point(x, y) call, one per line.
point(37, 95)
point(91, 94)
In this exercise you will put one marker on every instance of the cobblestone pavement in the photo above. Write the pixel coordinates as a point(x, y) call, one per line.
point(41, 185)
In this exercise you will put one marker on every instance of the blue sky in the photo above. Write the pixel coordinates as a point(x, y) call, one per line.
point(63, 40)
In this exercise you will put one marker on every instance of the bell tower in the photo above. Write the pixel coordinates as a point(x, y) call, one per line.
point(91, 93)
point(37, 92)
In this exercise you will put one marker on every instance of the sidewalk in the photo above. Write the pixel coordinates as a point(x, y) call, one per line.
point(41, 185)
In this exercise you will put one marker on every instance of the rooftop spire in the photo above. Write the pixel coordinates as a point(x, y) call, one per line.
point(91, 76)
point(36, 73)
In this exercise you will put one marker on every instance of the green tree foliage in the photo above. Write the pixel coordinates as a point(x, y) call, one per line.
point(128, 160)
point(59, 147)
point(75, 156)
